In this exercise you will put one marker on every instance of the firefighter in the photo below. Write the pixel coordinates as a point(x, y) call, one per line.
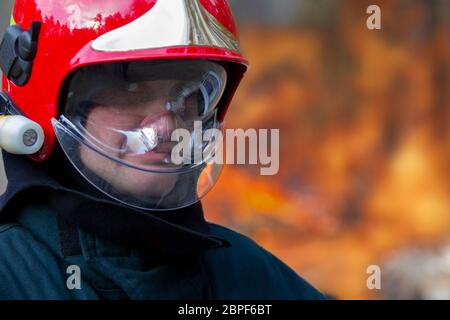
point(94, 206)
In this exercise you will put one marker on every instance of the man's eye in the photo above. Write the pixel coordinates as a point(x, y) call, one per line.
point(195, 103)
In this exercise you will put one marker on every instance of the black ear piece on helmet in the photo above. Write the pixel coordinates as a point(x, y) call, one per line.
point(17, 52)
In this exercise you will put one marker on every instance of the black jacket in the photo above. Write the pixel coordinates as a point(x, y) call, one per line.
point(122, 253)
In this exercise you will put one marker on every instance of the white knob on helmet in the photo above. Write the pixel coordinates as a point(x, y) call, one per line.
point(20, 135)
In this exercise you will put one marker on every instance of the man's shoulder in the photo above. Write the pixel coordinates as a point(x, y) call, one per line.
point(240, 245)
point(16, 240)
point(12, 236)
point(18, 249)
point(246, 270)
point(27, 267)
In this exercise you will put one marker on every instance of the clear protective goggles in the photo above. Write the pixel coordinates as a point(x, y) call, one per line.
point(119, 122)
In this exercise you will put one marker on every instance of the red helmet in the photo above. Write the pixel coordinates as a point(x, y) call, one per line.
point(57, 37)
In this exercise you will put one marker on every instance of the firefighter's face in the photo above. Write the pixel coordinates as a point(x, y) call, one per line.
point(140, 112)
point(119, 120)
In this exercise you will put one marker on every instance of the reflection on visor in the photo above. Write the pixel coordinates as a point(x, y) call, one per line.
point(118, 121)
point(141, 141)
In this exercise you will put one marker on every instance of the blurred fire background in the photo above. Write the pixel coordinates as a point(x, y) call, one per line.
point(364, 121)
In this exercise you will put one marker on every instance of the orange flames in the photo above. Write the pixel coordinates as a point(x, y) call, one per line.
point(364, 145)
